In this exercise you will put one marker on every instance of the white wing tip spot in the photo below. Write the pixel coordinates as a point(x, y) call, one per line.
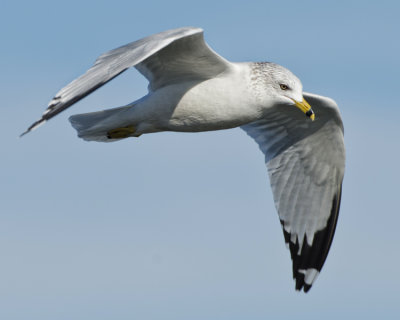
point(310, 275)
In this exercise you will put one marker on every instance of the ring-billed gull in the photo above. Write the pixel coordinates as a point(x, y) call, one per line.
point(193, 89)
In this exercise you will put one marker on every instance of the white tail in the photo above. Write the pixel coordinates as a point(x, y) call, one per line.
point(94, 126)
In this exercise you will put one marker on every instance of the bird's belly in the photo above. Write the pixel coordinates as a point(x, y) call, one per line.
point(211, 105)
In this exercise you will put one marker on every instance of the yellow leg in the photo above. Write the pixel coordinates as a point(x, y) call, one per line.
point(120, 133)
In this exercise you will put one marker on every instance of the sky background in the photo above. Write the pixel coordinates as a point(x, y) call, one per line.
point(182, 226)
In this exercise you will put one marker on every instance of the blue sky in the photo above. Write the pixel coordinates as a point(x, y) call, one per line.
point(182, 226)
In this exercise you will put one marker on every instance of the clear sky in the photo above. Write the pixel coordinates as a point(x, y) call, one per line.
point(183, 226)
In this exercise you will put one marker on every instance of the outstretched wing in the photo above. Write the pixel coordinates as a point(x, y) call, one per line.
point(305, 162)
point(163, 58)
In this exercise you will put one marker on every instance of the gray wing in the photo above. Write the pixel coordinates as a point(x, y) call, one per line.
point(305, 162)
point(164, 58)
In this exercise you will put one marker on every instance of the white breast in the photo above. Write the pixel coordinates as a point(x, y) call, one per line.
point(219, 103)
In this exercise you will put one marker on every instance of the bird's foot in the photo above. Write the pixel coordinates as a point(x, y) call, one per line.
point(120, 133)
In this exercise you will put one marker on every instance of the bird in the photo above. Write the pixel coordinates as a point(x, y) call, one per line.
point(194, 89)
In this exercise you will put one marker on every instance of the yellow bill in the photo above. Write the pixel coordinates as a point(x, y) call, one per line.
point(306, 108)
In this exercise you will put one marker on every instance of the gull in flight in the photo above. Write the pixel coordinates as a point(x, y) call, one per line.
point(193, 89)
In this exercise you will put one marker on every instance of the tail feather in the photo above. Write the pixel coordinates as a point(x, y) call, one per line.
point(94, 126)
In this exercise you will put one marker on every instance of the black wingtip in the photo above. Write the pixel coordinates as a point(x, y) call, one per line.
point(307, 287)
point(33, 126)
point(314, 256)
point(23, 133)
point(300, 283)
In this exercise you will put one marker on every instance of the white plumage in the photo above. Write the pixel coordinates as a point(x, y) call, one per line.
point(192, 89)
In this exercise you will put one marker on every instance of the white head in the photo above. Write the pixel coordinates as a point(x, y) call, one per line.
point(282, 86)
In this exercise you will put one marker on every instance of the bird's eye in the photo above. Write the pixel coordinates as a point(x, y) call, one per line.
point(284, 86)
